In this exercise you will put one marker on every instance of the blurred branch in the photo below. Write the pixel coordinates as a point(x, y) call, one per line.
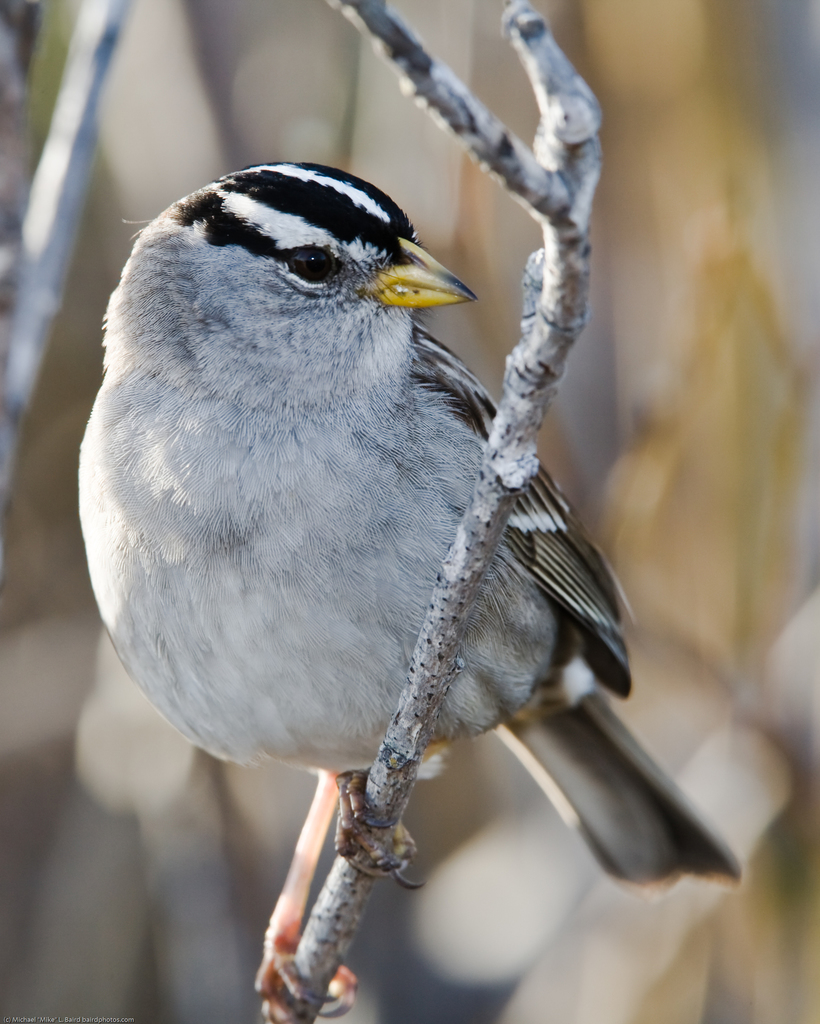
point(556, 184)
point(56, 201)
point(18, 21)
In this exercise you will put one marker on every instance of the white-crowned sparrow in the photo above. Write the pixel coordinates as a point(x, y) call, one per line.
point(273, 471)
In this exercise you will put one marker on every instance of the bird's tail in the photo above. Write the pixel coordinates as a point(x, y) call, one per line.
point(638, 823)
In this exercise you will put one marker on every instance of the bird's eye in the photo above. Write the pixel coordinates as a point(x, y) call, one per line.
point(311, 263)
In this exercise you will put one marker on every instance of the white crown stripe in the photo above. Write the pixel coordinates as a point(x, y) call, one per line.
point(287, 230)
point(361, 199)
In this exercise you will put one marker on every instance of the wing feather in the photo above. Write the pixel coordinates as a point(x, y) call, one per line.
point(544, 533)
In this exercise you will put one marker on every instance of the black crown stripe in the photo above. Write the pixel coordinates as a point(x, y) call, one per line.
point(316, 203)
point(221, 226)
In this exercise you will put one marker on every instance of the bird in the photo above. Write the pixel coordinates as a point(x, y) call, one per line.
point(272, 474)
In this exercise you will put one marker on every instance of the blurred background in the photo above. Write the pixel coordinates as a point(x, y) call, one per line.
point(137, 874)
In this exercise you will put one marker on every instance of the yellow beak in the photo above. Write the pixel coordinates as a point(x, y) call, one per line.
point(417, 281)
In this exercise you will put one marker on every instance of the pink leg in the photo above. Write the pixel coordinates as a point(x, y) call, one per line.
point(284, 931)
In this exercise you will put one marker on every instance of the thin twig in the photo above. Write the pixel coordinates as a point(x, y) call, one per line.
point(454, 108)
point(556, 184)
point(57, 196)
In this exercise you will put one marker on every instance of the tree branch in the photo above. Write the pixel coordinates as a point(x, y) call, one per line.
point(57, 196)
point(17, 27)
point(556, 184)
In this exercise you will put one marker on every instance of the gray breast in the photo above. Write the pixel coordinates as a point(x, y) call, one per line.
point(265, 586)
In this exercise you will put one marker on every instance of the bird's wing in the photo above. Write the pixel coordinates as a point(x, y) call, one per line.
point(544, 533)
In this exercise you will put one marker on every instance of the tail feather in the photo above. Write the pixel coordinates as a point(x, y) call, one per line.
point(638, 823)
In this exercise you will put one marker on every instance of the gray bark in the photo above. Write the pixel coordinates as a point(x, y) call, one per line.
point(556, 183)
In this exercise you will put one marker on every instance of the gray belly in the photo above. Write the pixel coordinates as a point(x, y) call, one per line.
point(274, 612)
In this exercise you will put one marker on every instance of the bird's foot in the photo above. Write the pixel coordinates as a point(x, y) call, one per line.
point(281, 987)
point(374, 847)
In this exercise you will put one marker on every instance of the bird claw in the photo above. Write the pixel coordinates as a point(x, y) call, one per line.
point(343, 990)
point(357, 838)
point(280, 987)
point(405, 883)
